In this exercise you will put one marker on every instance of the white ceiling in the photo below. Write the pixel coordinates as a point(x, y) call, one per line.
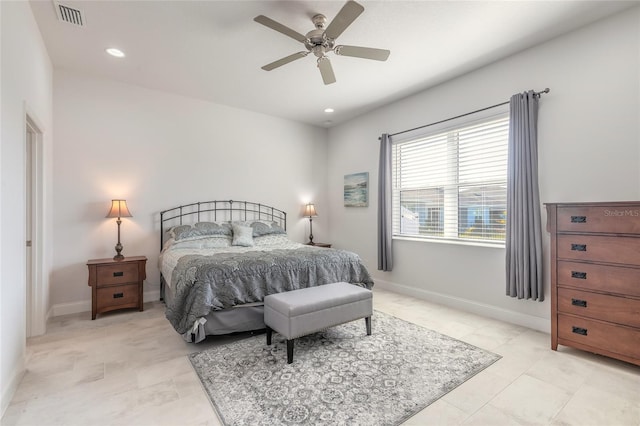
point(213, 50)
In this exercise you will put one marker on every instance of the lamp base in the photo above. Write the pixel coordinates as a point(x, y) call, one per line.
point(118, 248)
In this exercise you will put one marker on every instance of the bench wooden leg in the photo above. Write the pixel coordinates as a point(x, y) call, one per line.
point(367, 321)
point(289, 351)
point(269, 332)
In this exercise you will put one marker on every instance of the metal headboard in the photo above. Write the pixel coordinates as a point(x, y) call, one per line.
point(218, 211)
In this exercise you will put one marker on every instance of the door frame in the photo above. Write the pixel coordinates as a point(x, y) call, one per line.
point(35, 304)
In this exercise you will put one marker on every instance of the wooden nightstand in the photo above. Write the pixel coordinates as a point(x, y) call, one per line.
point(325, 245)
point(116, 284)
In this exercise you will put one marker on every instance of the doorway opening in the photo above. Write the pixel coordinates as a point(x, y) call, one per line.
point(34, 287)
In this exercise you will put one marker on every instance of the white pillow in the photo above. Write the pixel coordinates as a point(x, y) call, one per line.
point(242, 235)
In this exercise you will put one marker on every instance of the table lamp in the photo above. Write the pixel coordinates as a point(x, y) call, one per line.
point(310, 211)
point(119, 209)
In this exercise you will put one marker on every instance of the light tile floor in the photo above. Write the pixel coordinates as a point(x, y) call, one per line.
point(130, 368)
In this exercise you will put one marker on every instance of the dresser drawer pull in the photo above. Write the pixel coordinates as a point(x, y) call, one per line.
point(578, 219)
point(118, 295)
point(579, 330)
point(579, 247)
point(579, 275)
point(578, 302)
point(118, 274)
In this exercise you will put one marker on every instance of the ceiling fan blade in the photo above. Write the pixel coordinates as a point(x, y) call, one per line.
point(268, 22)
point(326, 70)
point(362, 52)
point(284, 61)
point(343, 19)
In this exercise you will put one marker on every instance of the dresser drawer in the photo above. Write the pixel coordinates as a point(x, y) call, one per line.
point(622, 250)
point(619, 310)
point(117, 273)
point(610, 337)
point(613, 219)
point(609, 279)
point(117, 296)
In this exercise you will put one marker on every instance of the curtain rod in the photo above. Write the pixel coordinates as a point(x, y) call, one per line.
point(546, 90)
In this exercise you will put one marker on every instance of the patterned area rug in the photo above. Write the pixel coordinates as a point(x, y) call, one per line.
point(338, 376)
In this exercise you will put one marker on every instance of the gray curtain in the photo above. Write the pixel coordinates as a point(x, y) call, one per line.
point(524, 230)
point(385, 255)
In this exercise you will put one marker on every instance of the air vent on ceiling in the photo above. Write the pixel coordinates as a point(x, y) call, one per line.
point(71, 15)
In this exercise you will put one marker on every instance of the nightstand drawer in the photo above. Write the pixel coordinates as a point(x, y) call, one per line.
point(117, 273)
point(119, 296)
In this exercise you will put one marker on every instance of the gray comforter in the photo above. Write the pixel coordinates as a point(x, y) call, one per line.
point(205, 283)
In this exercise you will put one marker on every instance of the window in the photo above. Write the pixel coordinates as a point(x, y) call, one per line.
point(451, 184)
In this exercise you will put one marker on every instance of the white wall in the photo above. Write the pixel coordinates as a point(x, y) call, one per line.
point(589, 150)
point(26, 87)
point(157, 151)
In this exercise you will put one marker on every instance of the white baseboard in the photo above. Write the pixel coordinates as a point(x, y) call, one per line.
point(85, 305)
point(70, 308)
point(49, 315)
point(513, 317)
point(9, 388)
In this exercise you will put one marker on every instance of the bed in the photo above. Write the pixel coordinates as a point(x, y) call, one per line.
point(220, 258)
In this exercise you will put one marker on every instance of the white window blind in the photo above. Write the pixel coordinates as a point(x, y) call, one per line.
point(452, 184)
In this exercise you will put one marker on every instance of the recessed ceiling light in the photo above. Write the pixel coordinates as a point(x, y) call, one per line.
point(115, 52)
point(328, 110)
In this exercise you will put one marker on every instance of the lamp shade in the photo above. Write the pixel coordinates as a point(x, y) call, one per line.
point(119, 209)
point(310, 210)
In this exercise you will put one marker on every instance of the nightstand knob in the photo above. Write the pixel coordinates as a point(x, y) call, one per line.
point(118, 274)
point(118, 295)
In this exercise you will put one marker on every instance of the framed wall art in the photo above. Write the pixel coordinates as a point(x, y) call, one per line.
point(356, 190)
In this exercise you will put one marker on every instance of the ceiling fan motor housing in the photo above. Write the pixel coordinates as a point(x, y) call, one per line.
point(317, 42)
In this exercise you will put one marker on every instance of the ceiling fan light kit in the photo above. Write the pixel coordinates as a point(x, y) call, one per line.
point(321, 40)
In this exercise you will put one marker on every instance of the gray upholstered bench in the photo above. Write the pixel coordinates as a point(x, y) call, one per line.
point(300, 312)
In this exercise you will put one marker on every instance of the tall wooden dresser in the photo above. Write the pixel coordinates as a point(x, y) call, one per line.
point(595, 277)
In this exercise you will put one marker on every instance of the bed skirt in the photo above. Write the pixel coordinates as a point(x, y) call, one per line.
point(237, 319)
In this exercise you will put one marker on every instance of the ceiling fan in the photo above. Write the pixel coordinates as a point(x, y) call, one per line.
point(322, 40)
